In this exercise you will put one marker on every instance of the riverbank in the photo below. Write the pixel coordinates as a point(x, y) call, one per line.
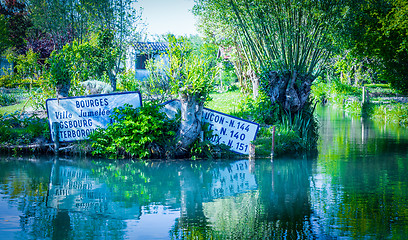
point(373, 101)
point(27, 131)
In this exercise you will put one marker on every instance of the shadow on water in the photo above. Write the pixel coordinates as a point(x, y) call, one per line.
point(356, 187)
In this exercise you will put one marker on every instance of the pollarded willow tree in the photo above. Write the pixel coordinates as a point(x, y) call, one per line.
point(191, 75)
point(285, 42)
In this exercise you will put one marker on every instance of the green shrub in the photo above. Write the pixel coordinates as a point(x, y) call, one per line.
point(18, 128)
point(260, 110)
point(14, 80)
point(203, 148)
point(157, 85)
point(294, 134)
point(128, 82)
point(396, 113)
point(320, 91)
point(136, 132)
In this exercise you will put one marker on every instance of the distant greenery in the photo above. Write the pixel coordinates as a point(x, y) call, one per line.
point(349, 98)
point(226, 102)
point(7, 99)
point(396, 113)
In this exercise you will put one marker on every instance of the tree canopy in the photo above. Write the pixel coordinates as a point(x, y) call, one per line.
point(378, 29)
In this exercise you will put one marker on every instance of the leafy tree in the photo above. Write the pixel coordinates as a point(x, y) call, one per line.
point(285, 43)
point(41, 43)
point(4, 41)
point(77, 62)
point(60, 74)
point(14, 22)
point(191, 78)
point(78, 20)
point(378, 29)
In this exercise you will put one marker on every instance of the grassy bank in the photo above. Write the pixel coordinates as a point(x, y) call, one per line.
point(294, 135)
point(381, 102)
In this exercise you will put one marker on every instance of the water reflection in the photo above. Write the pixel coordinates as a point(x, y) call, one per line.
point(278, 208)
point(66, 199)
point(357, 187)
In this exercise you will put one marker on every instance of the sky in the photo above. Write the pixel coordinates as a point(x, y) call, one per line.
point(168, 16)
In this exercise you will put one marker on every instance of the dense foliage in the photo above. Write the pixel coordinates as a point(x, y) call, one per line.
point(375, 32)
point(137, 133)
point(285, 43)
point(18, 128)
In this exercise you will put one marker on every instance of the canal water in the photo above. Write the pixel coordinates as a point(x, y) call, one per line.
point(355, 188)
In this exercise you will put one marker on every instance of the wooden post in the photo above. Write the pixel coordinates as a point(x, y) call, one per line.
point(273, 142)
point(55, 130)
point(251, 151)
point(202, 136)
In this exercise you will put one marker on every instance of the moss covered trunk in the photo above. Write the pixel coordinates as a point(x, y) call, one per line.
point(190, 127)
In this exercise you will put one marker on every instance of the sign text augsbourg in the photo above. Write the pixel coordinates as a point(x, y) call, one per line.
point(77, 117)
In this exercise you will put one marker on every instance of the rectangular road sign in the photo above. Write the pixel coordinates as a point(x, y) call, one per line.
point(77, 117)
point(235, 132)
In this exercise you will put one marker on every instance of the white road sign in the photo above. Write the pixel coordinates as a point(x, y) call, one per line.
point(79, 116)
point(235, 132)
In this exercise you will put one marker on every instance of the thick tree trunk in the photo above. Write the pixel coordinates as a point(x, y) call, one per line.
point(190, 127)
point(255, 83)
point(291, 91)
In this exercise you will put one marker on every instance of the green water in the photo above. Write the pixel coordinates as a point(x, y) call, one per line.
point(355, 188)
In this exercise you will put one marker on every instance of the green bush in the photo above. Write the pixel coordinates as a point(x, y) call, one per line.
point(320, 91)
point(136, 132)
point(396, 113)
point(18, 128)
point(128, 82)
point(14, 80)
point(204, 148)
point(260, 110)
point(294, 134)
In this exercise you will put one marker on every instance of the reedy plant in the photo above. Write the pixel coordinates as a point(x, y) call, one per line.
point(287, 42)
point(284, 35)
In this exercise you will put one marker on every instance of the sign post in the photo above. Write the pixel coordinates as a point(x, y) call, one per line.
point(77, 117)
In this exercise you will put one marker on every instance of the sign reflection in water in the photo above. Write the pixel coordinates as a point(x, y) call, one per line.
point(74, 189)
point(100, 190)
